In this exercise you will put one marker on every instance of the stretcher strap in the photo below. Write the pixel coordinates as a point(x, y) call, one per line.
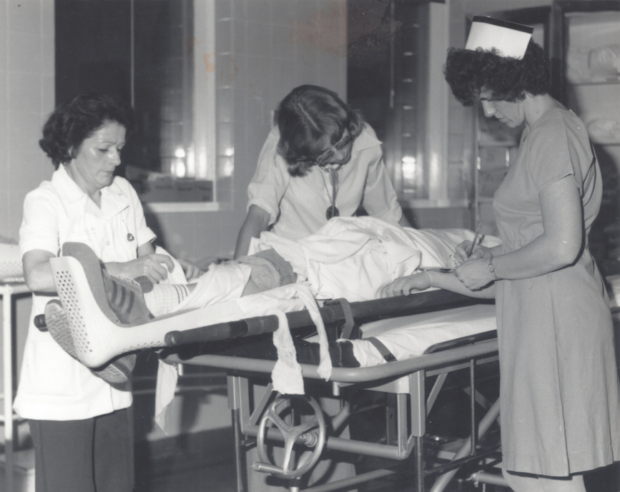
point(383, 350)
point(349, 321)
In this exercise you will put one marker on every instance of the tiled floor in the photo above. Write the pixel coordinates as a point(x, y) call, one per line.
point(204, 461)
point(215, 478)
point(189, 465)
point(184, 466)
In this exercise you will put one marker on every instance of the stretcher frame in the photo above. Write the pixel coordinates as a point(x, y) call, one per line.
point(409, 427)
point(83, 309)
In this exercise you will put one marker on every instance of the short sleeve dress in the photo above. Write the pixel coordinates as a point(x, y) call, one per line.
point(560, 409)
point(297, 205)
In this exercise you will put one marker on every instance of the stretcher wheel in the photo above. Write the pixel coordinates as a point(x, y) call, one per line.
point(309, 434)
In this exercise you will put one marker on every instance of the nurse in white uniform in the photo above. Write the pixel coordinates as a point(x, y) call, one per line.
point(320, 160)
point(78, 420)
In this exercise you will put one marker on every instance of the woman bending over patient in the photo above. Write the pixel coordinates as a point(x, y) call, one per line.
point(320, 160)
point(560, 410)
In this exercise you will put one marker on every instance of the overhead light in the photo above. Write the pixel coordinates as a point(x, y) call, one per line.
point(408, 167)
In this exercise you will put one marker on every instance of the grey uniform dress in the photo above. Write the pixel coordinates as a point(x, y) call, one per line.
point(560, 410)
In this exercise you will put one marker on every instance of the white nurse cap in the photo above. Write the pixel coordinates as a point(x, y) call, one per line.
point(508, 38)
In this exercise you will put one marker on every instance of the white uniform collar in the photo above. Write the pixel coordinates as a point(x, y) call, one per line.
point(113, 200)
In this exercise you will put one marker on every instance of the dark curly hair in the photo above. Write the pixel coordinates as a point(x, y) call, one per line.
point(76, 120)
point(305, 117)
point(468, 72)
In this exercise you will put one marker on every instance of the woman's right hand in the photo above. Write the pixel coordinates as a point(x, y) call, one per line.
point(460, 253)
point(153, 266)
point(256, 222)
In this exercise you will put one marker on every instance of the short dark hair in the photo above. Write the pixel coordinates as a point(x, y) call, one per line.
point(76, 120)
point(468, 72)
point(306, 116)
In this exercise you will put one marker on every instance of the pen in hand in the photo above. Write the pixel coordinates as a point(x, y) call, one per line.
point(473, 243)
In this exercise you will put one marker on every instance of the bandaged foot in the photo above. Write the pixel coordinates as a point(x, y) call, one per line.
point(116, 373)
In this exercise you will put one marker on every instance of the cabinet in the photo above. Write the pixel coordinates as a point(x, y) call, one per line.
point(590, 62)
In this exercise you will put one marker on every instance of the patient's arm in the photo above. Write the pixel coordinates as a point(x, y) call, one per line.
point(424, 280)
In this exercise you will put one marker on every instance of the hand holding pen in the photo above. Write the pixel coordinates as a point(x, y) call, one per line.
point(472, 263)
point(470, 250)
point(463, 252)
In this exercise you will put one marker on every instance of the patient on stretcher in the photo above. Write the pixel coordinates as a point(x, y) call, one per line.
point(364, 251)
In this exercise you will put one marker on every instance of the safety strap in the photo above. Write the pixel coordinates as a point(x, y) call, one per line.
point(349, 321)
point(383, 350)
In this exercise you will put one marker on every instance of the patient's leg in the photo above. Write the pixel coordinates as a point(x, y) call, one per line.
point(268, 271)
point(134, 302)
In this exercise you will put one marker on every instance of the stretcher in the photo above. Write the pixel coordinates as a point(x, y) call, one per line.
point(412, 386)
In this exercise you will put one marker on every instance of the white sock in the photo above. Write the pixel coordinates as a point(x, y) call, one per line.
point(164, 298)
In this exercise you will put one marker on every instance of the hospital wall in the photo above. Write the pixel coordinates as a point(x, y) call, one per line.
point(274, 53)
point(276, 46)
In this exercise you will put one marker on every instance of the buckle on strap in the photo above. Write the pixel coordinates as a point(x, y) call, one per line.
point(383, 350)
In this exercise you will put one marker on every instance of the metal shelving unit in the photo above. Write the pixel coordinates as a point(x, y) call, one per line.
point(8, 291)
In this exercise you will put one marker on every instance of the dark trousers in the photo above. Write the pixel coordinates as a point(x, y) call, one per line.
point(90, 455)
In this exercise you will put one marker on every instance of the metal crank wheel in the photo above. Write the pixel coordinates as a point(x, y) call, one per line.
point(309, 434)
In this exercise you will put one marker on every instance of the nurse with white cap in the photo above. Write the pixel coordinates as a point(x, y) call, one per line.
point(560, 405)
point(560, 410)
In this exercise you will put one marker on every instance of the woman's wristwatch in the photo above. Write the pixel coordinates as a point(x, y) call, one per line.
point(491, 268)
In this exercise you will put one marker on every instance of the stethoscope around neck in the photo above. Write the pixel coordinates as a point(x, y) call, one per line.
point(334, 177)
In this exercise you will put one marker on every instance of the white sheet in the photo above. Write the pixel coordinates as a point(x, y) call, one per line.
point(353, 257)
point(409, 336)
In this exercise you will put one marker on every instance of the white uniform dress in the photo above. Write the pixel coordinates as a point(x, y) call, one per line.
point(53, 385)
point(297, 205)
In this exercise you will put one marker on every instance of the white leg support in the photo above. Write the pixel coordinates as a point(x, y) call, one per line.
point(97, 339)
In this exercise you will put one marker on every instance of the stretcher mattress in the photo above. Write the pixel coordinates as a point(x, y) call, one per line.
point(410, 336)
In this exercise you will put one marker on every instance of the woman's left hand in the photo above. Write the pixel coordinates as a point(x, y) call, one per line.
point(475, 274)
point(192, 272)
